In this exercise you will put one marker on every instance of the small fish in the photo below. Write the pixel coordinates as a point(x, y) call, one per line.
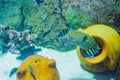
point(12, 49)
point(13, 71)
point(89, 53)
point(32, 71)
point(92, 52)
point(62, 33)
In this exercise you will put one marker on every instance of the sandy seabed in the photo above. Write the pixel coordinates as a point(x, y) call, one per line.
point(68, 65)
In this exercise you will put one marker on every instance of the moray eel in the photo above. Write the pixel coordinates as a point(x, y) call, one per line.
point(78, 38)
point(37, 67)
point(89, 45)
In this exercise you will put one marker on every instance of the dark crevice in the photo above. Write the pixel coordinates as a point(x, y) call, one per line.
point(45, 33)
point(39, 1)
point(21, 26)
point(61, 12)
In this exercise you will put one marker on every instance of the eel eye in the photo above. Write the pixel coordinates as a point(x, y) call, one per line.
point(36, 61)
point(21, 74)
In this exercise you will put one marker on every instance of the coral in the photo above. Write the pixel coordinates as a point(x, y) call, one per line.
point(22, 42)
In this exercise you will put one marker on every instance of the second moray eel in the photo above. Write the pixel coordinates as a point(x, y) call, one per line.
point(85, 41)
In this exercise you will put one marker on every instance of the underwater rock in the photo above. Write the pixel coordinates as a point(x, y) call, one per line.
point(37, 67)
point(51, 16)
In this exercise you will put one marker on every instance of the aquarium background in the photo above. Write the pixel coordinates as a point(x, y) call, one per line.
point(29, 27)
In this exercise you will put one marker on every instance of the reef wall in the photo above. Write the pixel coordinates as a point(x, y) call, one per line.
point(46, 18)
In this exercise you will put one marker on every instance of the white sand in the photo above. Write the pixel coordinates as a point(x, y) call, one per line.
point(68, 66)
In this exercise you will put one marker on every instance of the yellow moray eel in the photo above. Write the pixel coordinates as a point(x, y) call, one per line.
point(37, 67)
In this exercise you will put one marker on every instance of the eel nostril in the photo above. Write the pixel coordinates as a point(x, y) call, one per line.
point(21, 74)
point(52, 64)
